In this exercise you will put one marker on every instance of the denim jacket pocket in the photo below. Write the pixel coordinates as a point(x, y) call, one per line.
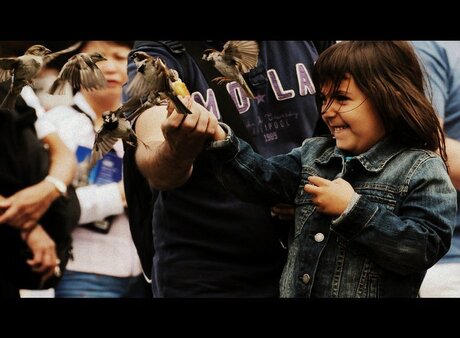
point(384, 195)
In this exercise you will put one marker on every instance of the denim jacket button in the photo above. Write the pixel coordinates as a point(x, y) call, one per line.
point(306, 278)
point(319, 237)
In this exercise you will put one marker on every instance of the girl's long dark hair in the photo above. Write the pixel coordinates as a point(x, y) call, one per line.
point(390, 75)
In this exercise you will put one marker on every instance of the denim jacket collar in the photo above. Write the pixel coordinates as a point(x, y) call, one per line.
point(373, 160)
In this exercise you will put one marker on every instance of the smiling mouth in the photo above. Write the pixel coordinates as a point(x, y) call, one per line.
point(336, 130)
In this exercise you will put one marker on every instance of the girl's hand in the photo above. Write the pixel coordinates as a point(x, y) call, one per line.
point(330, 197)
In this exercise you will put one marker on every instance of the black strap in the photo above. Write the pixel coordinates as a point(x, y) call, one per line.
point(77, 108)
point(228, 110)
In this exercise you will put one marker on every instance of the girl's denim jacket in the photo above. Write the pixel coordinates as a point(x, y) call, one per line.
point(400, 226)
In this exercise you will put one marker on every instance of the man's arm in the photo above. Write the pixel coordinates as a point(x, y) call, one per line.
point(453, 161)
point(156, 163)
point(173, 143)
point(434, 58)
point(27, 206)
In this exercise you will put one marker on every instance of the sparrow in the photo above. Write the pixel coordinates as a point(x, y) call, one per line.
point(23, 69)
point(80, 71)
point(117, 125)
point(236, 59)
point(114, 126)
point(157, 82)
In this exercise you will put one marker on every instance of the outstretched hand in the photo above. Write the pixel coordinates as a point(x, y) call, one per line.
point(330, 197)
point(186, 134)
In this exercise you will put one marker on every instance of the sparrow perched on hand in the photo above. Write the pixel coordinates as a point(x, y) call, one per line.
point(80, 71)
point(155, 80)
point(23, 69)
point(236, 59)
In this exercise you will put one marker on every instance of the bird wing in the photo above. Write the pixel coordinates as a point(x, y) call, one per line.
point(244, 53)
point(70, 72)
point(91, 77)
point(52, 56)
point(103, 143)
point(139, 86)
point(149, 77)
point(81, 72)
point(6, 68)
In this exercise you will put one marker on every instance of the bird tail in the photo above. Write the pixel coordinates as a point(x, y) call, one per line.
point(58, 87)
point(180, 107)
point(95, 156)
point(134, 114)
point(248, 90)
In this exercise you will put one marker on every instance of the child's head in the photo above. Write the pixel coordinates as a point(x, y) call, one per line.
point(391, 79)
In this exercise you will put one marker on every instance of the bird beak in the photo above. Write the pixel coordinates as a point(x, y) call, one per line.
point(139, 56)
point(206, 52)
point(47, 51)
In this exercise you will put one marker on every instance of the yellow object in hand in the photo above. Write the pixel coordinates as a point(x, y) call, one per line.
point(180, 88)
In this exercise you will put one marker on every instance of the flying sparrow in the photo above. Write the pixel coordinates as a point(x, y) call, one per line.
point(236, 59)
point(115, 126)
point(23, 69)
point(80, 71)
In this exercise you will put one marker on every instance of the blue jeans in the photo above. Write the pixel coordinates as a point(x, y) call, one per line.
point(88, 285)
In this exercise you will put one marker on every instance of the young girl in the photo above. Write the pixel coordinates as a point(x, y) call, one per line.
point(374, 205)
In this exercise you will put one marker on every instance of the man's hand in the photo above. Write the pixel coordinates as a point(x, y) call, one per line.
point(174, 141)
point(186, 134)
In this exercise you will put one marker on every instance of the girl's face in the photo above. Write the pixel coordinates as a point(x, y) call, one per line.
point(351, 118)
